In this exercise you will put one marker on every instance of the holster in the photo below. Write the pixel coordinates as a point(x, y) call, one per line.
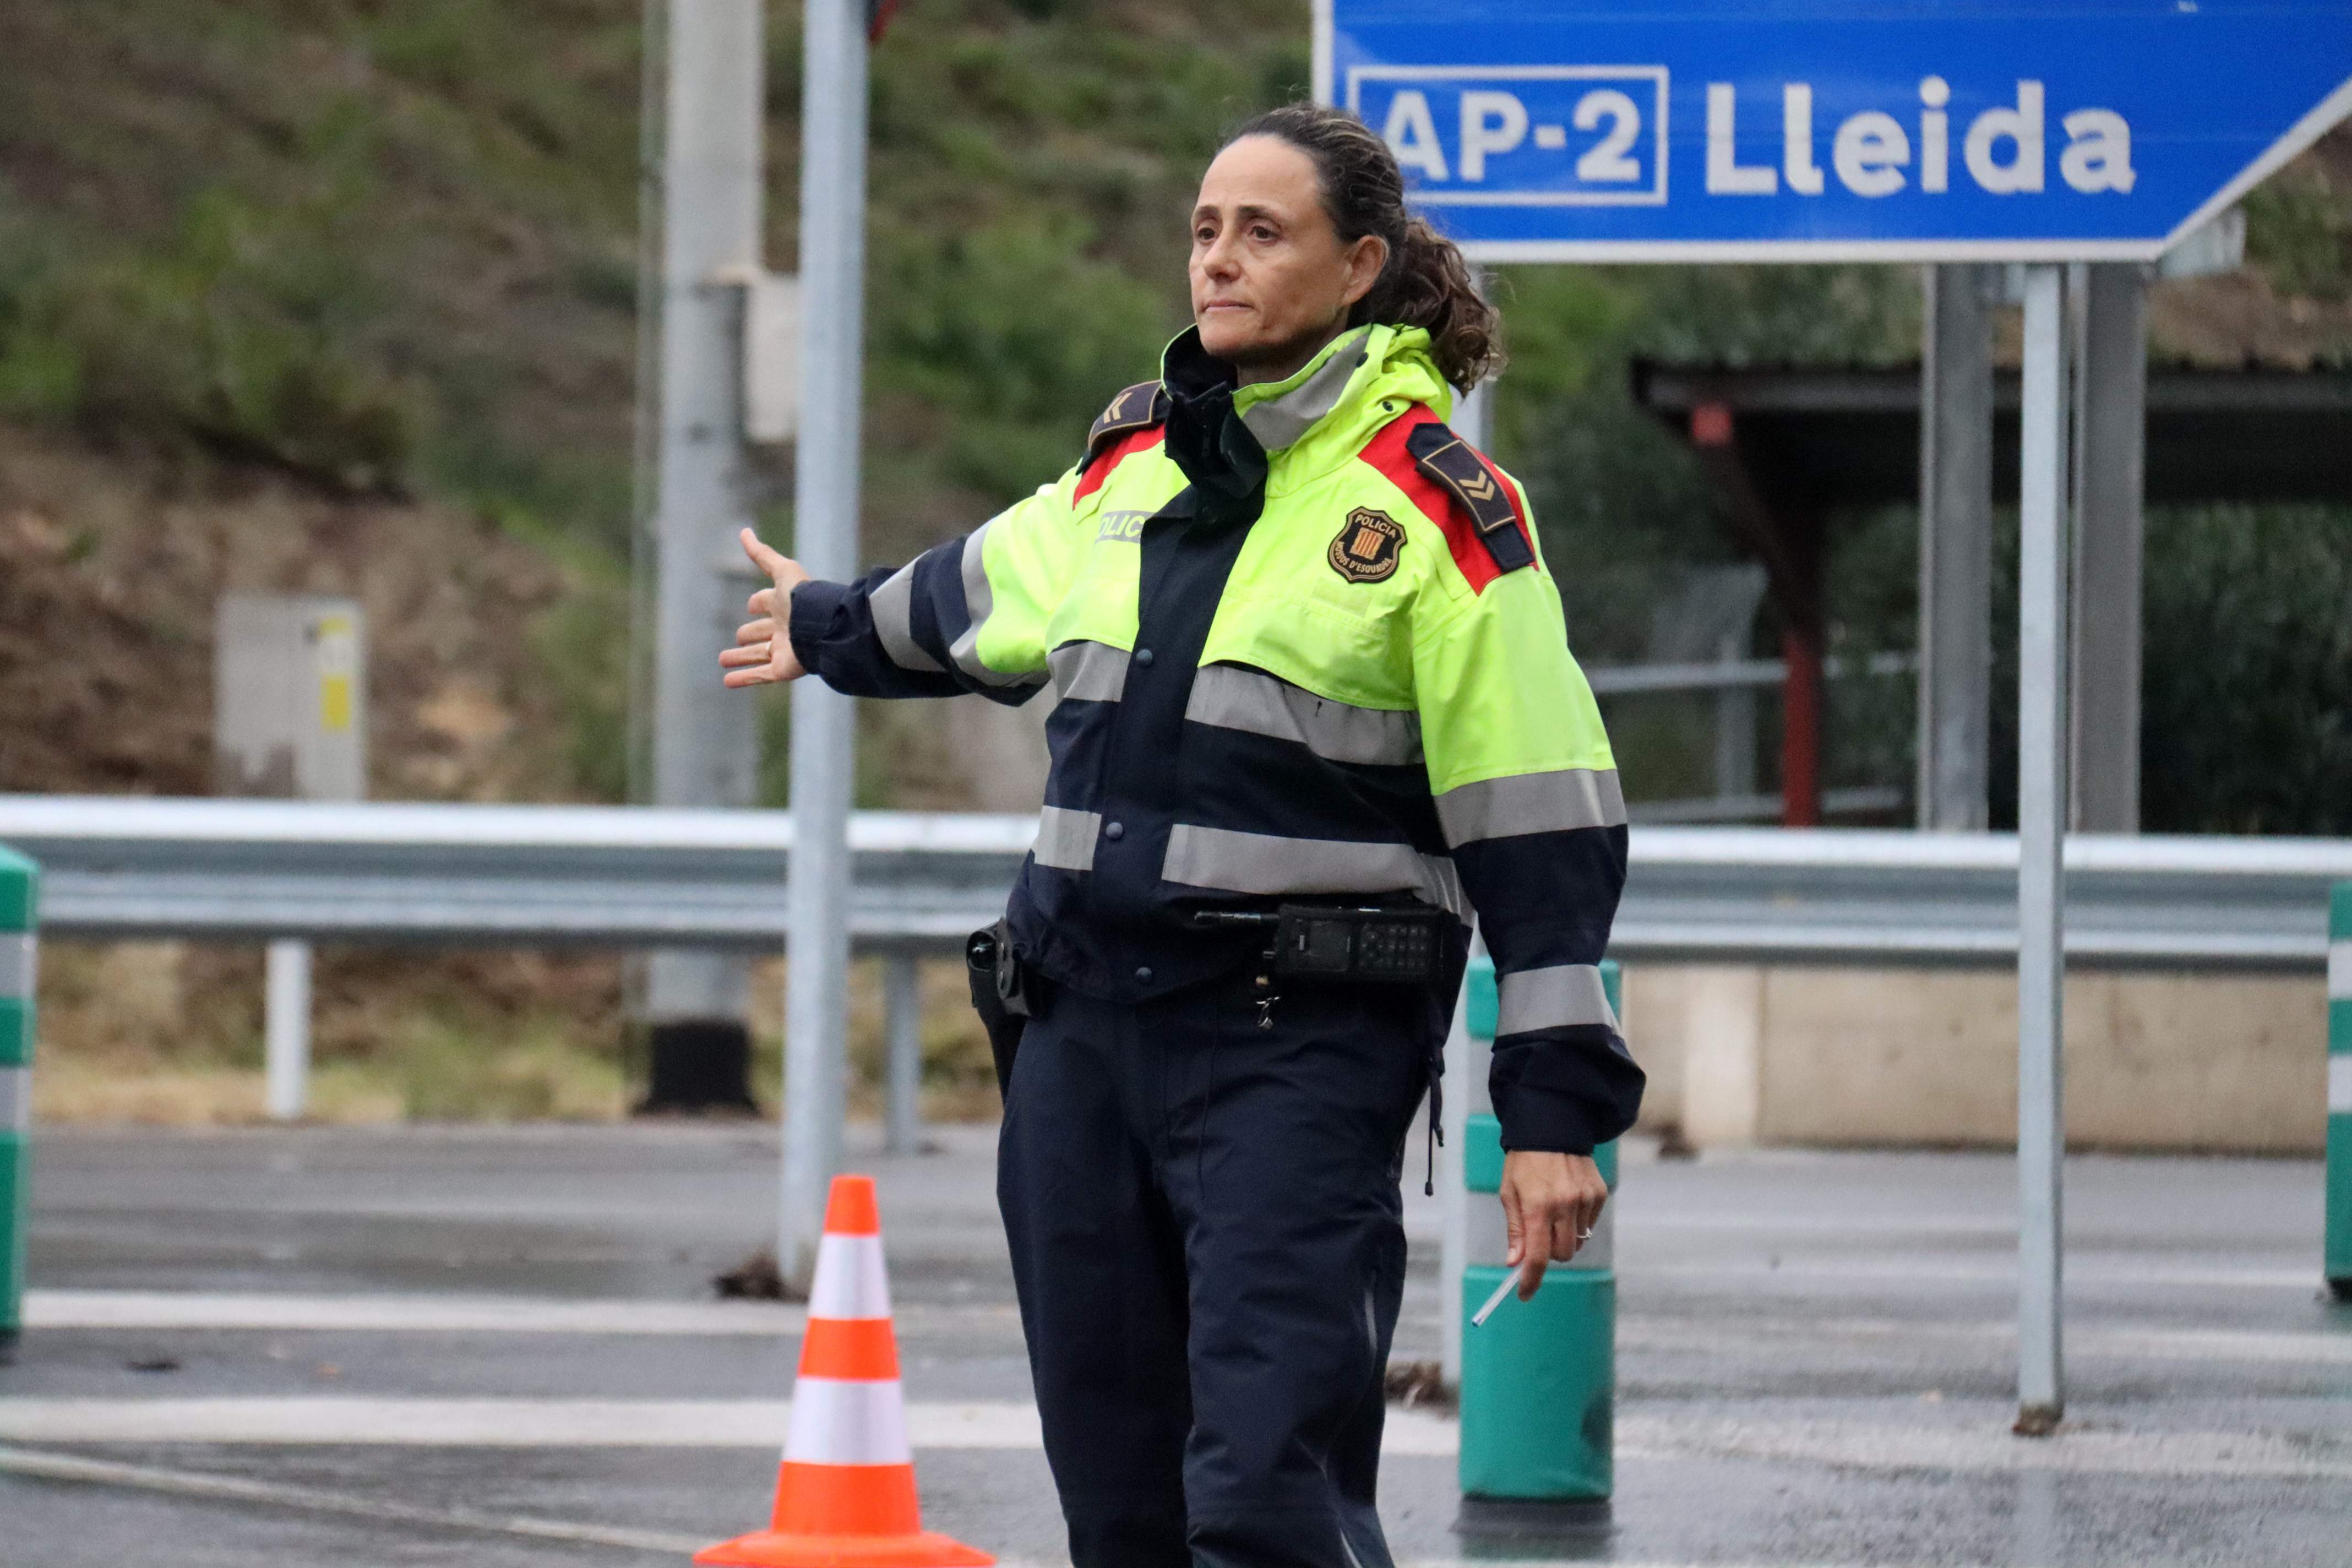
point(1001, 994)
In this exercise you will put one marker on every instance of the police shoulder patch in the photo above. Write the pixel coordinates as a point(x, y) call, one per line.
point(1448, 461)
point(1365, 550)
point(1139, 407)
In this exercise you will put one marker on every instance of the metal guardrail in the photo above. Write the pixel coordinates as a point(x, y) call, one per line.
point(519, 874)
point(523, 875)
point(1722, 675)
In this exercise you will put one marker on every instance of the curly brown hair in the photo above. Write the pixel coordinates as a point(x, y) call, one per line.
point(1426, 283)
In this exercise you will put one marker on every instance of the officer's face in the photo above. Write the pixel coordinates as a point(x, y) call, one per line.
point(1271, 281)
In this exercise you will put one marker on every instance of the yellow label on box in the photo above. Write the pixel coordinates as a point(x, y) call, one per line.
point(335, 701)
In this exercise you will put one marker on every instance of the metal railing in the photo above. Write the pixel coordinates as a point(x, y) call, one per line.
point(619, 876)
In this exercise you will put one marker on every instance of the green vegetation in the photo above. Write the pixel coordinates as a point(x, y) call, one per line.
point(2299, 226)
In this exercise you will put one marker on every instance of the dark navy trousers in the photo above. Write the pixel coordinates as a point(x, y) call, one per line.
point(1208, 1244)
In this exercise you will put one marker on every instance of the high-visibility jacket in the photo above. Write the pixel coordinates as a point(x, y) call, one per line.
point(1303, 643)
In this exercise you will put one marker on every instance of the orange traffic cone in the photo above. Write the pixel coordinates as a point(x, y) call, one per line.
point(846, 1496)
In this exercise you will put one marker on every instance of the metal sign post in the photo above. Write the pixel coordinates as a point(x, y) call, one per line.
point(2042, 758)
point(824, 540)
point(706, 749)
point(2044, 131)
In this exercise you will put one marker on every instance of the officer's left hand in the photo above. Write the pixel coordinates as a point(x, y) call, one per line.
point(1549, 1202)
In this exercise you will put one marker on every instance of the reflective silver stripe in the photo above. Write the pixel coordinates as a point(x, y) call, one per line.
point(1532, 803)
point(2340, 1085)
point(894, 606)
point(1233, 862)
point(980, 600)
point(1556, 998)
point(1065, 839)
point(1088, 671)
point(17, 963)
point(2339, 970)
point(15, 1100)
point(1279, 421)
point(1232, 698)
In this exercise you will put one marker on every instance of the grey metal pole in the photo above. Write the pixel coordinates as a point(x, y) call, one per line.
point(1955, 549)
point(1465, 1060)
point(2110, 538)
point(705, 739)
point(825, 539)
point(902, 1037)
point(2041, 757)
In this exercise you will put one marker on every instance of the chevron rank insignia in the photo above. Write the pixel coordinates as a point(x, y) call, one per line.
point(1445, 459)
point(1139, 407)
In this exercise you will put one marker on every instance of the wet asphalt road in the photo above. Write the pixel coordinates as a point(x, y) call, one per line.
point(1815, 1357)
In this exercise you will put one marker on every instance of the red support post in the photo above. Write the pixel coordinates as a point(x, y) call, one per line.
point(1800, 729)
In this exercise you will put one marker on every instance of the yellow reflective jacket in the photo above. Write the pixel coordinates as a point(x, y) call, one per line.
point(1302, 642)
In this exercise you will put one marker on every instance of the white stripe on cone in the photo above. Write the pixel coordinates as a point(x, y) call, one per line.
point(840, 1423)
point(850, 1281)
point(2340, 1084)
point(2340, 970)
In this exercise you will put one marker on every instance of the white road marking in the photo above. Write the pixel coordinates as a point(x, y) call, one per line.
point(76, 1468)
point(259, 1313)
point(2079, 1275)
point(734, 1424)
point(1822, 1225)
point(400, 1314)
point(1880, 1446)
point(539, 1423)
point(1644, 1332)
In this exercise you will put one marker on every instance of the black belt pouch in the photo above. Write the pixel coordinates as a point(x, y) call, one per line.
point(999, 994)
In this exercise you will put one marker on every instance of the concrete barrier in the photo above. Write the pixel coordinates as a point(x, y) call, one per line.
point(1539, 1379)
point(19, 910)
point(2224, 1060)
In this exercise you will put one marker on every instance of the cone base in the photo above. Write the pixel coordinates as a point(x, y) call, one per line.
point(770, 1549)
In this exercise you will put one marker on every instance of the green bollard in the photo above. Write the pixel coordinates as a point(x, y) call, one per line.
point(1539, 1378)
point(2339, 1093)
point(20, 884)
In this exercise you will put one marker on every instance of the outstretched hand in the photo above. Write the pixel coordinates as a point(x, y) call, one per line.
point(763, 651)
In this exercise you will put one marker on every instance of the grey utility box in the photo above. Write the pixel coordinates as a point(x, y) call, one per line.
point(289, 697)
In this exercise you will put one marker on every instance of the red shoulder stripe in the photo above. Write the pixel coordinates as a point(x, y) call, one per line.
point(1386, 452)
point(1127, 446)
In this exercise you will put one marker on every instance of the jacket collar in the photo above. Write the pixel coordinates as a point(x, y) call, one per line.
point(1280, 413)
point(1214, 449)
point(1245, 443)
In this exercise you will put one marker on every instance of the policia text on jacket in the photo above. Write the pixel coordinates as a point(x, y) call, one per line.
point(1308, 662)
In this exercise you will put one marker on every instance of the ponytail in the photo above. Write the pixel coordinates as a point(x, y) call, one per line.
point(1426, 281)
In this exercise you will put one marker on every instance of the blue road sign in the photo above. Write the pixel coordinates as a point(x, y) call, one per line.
point(1835, 130)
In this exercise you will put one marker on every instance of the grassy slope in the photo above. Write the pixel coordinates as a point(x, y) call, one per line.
point(341, 297)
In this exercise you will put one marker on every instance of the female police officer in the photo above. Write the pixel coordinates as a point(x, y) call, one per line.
point(1305, 656)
